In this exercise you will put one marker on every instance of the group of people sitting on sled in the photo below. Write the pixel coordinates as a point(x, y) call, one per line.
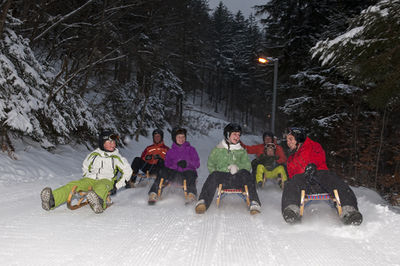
point(228, 164)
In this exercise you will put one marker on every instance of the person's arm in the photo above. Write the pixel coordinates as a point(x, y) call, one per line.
point(194, 160)
point(211, 163)
point(281, 155)
point(125, 168)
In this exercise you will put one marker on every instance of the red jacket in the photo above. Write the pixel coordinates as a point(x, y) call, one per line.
point(259, 149)
point(154, 149)
point(309, 152)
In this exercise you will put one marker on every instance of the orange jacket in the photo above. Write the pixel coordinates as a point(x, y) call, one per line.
point(258, 149)
point(155, 149)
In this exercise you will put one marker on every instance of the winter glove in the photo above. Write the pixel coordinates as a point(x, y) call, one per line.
point(157, 156)
point(233, 168)
point(182, 164)
point(310, 170)
point(148, 157)
point(113, 191)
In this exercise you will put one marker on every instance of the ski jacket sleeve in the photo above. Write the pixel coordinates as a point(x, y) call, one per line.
point(253, 149)
point(281, 155)
point(193, 161)
point(125, 169)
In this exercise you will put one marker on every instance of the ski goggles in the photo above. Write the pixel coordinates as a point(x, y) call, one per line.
point(112, 137)
point(270, 146)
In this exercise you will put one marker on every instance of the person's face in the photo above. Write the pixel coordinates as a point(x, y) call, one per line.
point(180, 139)
point(291, 142)
point(157, 138)
point(234, 138)
point(109, 145)
point(268, 139)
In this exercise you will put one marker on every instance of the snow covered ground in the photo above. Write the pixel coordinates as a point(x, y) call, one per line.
point(171, 233)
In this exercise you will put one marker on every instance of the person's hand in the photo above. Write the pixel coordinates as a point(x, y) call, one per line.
point(310, 170)
point(148, 157)
point(182, 164)
point(233, 168)
point(157, 156)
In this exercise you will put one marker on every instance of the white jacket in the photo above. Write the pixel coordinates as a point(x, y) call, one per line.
point(100, 164)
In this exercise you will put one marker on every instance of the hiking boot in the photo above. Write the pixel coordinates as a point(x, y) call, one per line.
point(290, 215)
point(95, 202)
point(47, 199)
point(190, 198)
point(200, 206)
point(152, 198)
point(255, 207)
point(350, 216)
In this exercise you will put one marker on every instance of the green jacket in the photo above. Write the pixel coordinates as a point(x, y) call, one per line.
point(221, 157)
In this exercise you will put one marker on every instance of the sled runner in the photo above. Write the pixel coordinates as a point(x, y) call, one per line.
point(321, 196)
point(243, 193)
point(167, 184)
point(80, 197)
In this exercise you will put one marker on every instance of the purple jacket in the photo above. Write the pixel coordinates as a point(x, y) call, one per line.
point(183, 152)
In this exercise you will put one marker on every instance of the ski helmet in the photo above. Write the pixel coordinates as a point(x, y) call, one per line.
point(230, 128)
point(298, 133)
point(160, 132)
point(107, 135)
point(268, 134)
point(176, 131)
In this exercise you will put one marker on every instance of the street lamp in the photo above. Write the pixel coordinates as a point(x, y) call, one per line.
point(266, 61)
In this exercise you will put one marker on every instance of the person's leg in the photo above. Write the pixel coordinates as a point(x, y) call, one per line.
point(101, 188)
point(137, 164)
point(243, 177)
point(191, 177)
point(61, 194)
point(208, 190)
point(291, 197)
point(260, 173)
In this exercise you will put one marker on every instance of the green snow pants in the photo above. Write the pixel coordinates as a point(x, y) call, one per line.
point(279, 170)
point(100, 186)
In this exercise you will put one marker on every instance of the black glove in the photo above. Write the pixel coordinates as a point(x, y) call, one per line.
point(182, 164)
point(310, 171)
point(113, 191)
point(148, 157)
point(157, 156)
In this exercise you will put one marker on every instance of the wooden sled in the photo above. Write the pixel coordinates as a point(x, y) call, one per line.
point(80, 196)
point(144, 176)
point(163, 185)
point(244, 193)
point(321, 196)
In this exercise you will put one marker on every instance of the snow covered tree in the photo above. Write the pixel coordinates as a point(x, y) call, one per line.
point(25, 86)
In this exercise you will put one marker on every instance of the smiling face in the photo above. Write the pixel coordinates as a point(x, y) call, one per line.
point(157, 138)
point(234, 138)
point(180, 139)
point(291, 142)
point(109, 145)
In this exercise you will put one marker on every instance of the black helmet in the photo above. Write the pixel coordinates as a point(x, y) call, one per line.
point(176, 131)
point(107, 135)
point(269, 134)
point(298, 133)
point(232, 127)
point(160, 132)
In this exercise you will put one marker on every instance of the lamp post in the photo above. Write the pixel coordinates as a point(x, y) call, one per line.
point(266, 61)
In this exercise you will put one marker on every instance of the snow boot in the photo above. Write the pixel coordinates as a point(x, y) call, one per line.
point(152, 198)
point(201, 206)
point(350, 216)
point(47, 199)
point(95, 202)
point(291, 214)
point(190, 198)
point(254, 207)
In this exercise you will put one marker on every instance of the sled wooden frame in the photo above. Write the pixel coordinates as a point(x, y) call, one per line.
point(143, 176)
point(321, 196)
point(162, 185)
point(278, 178)
point(80, 196)
point(244, 193)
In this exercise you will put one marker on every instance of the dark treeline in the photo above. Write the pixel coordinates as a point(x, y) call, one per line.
point(129, 65)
